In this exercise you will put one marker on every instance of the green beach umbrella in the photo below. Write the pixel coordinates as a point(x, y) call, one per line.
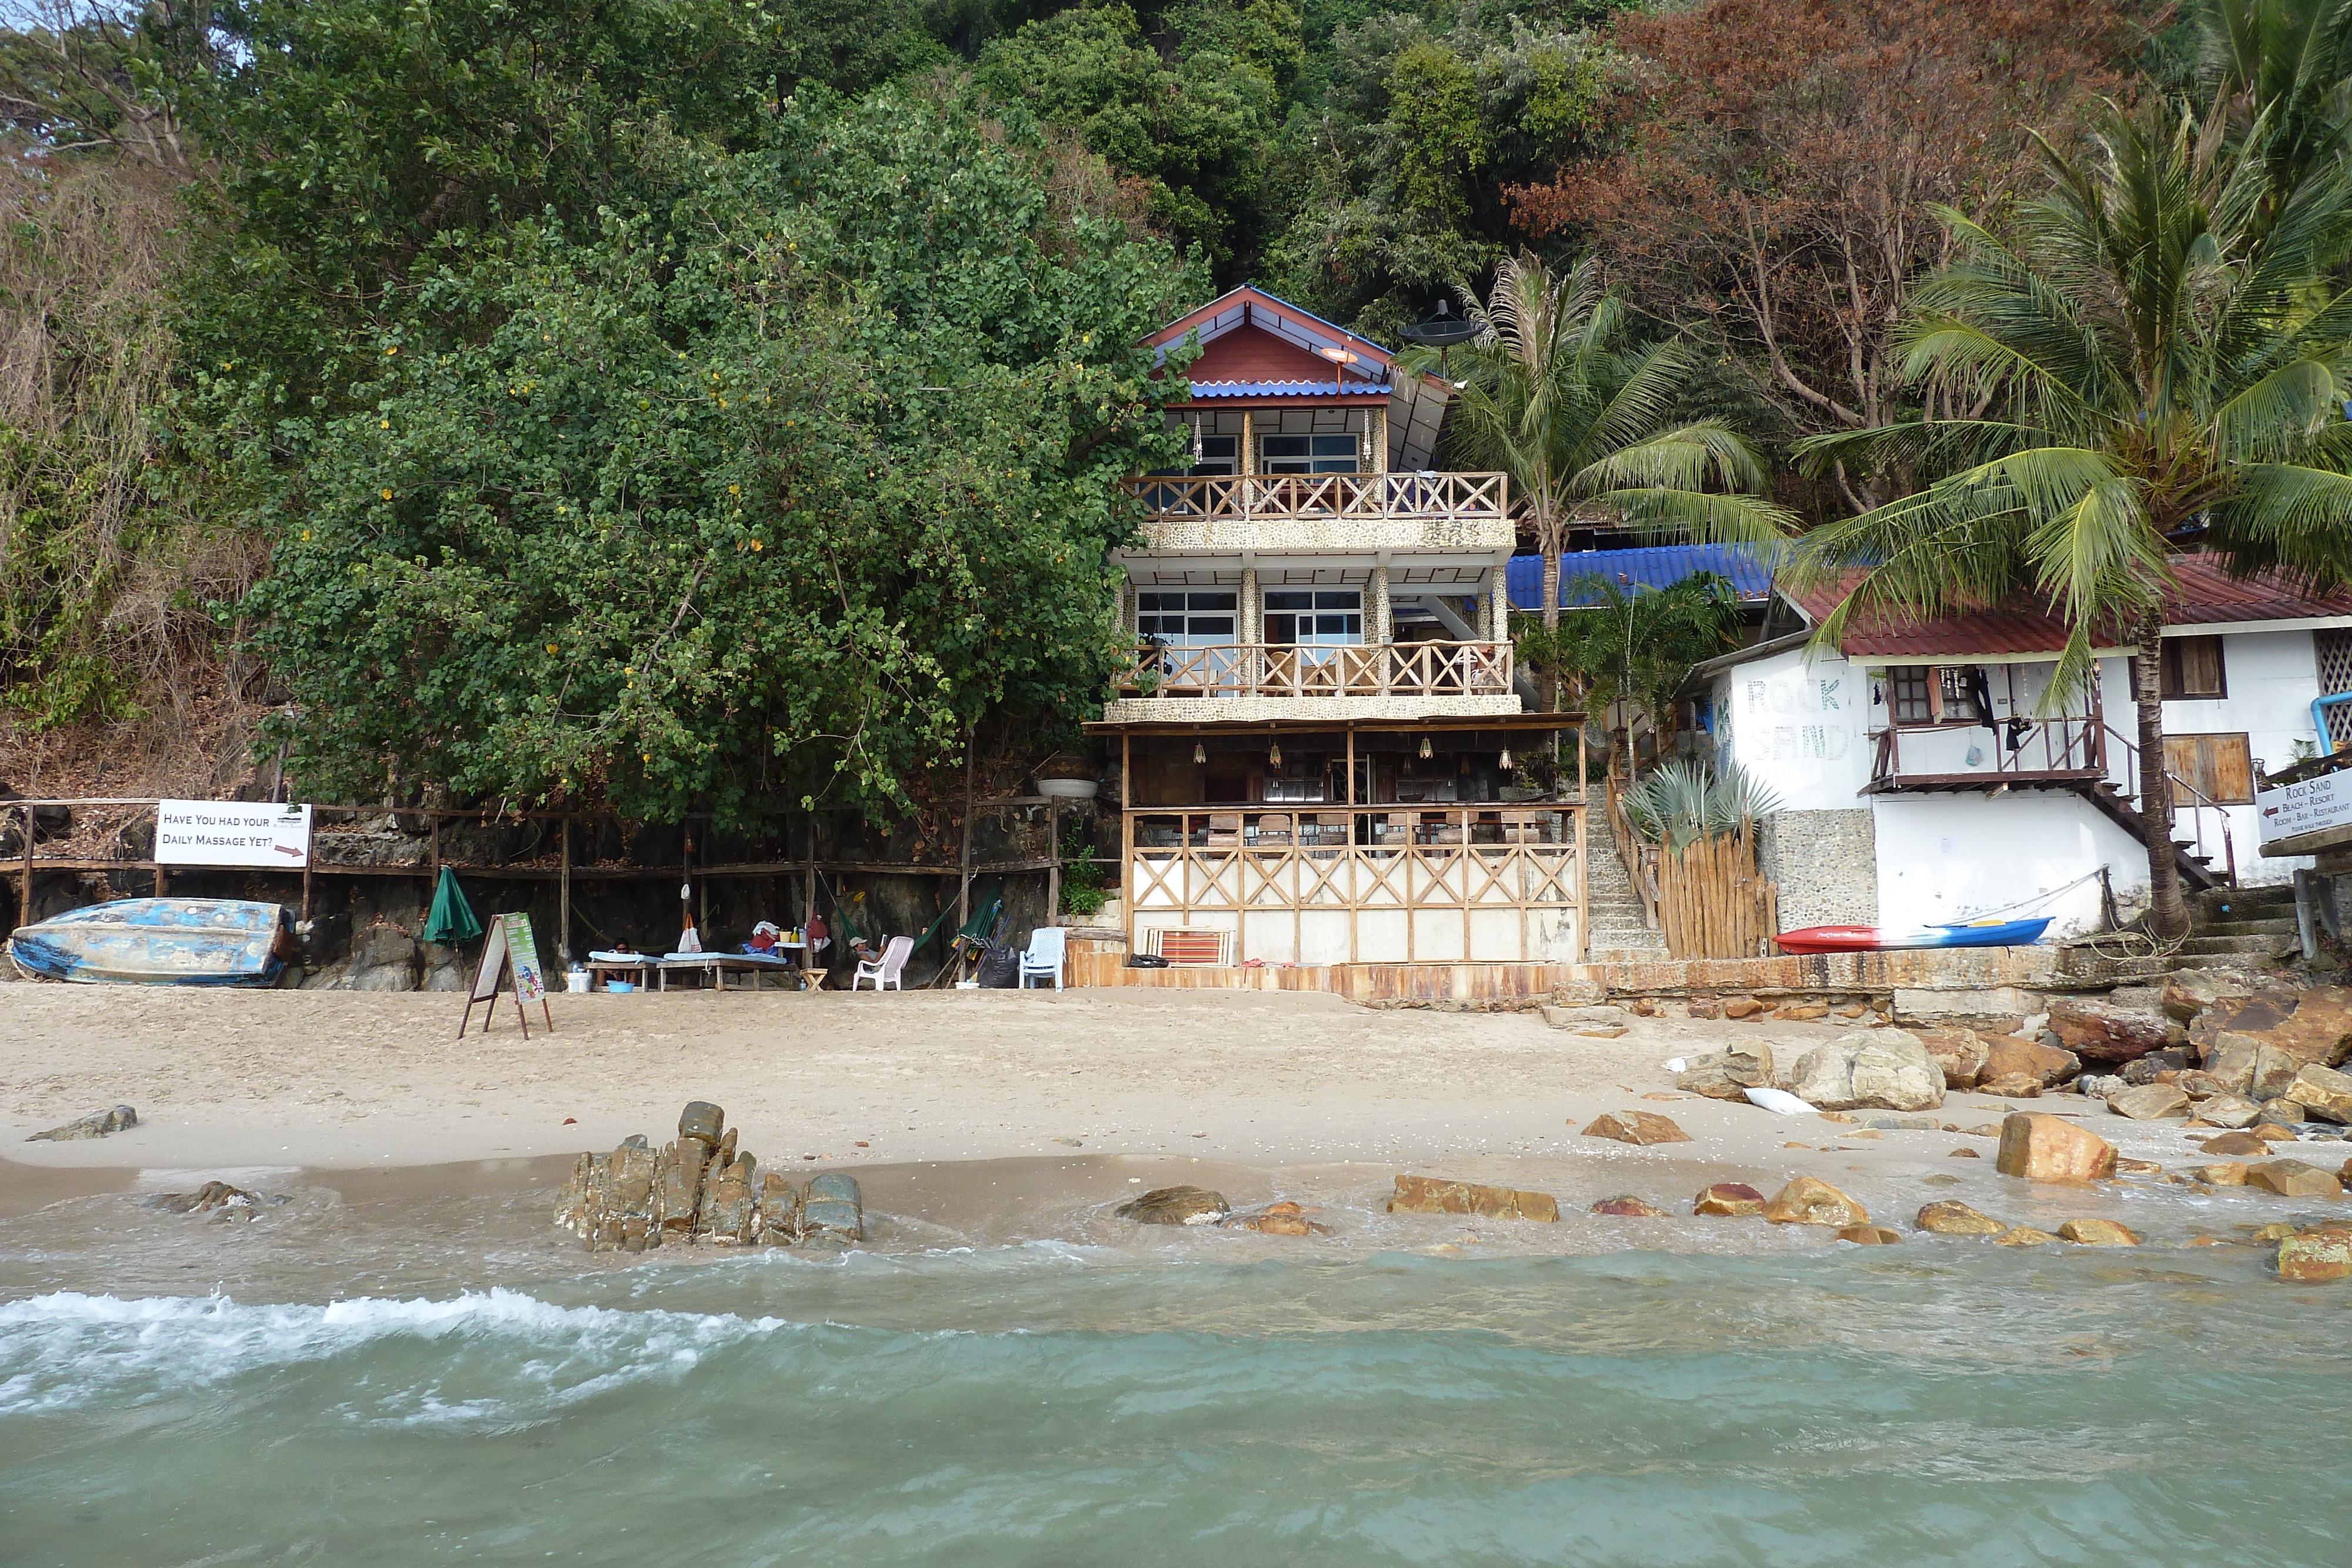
point(452, 920)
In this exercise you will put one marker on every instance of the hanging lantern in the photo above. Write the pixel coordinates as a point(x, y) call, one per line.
point(1200, 752)
point(1504, 761)
point(1364, 446)
point(1274, 755)
point(1425, 748)
point(1196, 438)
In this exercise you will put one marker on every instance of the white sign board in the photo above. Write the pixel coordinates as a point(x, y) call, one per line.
point(2313, 805)
point(233, 833)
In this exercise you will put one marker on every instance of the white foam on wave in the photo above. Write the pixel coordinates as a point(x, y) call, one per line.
point(70, 1349)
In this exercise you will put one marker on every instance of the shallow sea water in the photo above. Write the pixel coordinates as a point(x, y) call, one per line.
point(1039, 1402)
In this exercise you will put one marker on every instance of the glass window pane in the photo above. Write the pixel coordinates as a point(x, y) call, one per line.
point(1160, 601)
point(1290, 601)
point(1335, 446)
point(1351, 599)
point(1211, 627)
point(1214, 600)
point(1285, 446)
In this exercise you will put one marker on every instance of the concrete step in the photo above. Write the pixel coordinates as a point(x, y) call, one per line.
point(2278, 926)
point(2208, 945)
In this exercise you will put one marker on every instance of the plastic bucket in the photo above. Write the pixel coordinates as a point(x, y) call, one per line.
point(575, 981)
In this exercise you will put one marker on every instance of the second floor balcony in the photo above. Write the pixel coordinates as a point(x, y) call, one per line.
point(1276, 669)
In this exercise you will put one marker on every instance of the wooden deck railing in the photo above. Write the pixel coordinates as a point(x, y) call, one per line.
point(2065, 746)
point(1280, 496)
point(1366, 883)
point(1268, 670)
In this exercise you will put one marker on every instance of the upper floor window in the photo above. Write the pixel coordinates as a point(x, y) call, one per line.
point(1218, 455)
point(1307, 453)
point(1330, 616)
point(1186, 619)
point(1939, 694)
point(2192, 668)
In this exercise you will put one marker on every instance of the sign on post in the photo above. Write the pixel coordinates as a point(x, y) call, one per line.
point(2297, 812)
point(510, 963)
point(246, 833)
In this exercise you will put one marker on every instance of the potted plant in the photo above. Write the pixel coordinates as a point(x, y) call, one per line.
point(1069, 776)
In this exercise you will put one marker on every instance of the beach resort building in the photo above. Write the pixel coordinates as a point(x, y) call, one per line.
point(1921, 779)
point(1321, 735)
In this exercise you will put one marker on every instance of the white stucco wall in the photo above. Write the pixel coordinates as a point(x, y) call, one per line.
point(1804, 727)
point(2272, 677)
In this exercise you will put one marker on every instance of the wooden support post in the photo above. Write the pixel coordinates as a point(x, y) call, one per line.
point(1127, 836)
point(25, 884)
point(808, 903)
point(964, 860)
point(563, 899)
point(1054, 872)
point(432, 878)
point(162, 879)
point(1354, 858)
point(702, 900)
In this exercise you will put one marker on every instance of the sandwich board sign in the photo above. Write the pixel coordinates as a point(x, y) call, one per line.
point(510, 962)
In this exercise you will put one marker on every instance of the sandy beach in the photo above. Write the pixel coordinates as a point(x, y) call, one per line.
point(348, 1081)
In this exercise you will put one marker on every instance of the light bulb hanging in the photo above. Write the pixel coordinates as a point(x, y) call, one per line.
point(1196, 438)
point(1274, 755)
point(1200, 752)
point(1505, 760)
point(1425, 748)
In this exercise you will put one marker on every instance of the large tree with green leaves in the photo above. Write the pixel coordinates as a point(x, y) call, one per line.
point(1635, 644)
point(1557, 394)
point(2153, 357)
point(763, 492)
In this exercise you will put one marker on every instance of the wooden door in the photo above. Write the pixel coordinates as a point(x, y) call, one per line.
point(2221, 767)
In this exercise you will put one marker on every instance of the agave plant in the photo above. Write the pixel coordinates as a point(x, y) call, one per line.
point(1686, 800)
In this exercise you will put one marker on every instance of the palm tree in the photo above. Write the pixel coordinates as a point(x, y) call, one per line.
point(1637, 643)
point(1555, 395)
point(2154, 363)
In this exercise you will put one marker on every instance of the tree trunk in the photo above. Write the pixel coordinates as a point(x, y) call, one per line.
point(1551, 621)
point(2168, 914)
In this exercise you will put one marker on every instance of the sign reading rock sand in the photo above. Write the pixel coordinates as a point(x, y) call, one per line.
point(250, 833)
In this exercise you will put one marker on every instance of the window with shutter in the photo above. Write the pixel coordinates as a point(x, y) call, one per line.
point(2193, 670)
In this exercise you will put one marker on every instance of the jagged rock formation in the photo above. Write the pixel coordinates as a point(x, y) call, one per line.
point(702, 1191)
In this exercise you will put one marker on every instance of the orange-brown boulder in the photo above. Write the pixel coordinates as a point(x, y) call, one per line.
point(2098, 1233)
point(1734, 1199)
point(2098, 1031)
point(1644, 1127)
point(1435, 1194)
point(1628, 1206)
point(2292, 1178)
point(2023, 1236)
point(1809, 1200)
point(2051, 1148)
point(1953, 1217)
point(1742, 1008)
point(1870, 1235)
point(2322, 1253)
point(1957, 1053)
point(2014, 1056)
point(2234, 1144)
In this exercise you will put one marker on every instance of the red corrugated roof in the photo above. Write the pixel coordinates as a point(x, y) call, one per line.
point(2205, 595)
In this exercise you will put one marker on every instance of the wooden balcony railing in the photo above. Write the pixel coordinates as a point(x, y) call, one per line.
point(1374, 670)
point(1275, 497)
point(2064, 747)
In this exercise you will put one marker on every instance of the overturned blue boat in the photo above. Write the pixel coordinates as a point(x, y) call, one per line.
point(160, 942)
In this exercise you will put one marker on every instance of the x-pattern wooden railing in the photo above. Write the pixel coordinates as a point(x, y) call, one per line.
point(1413, 860)
point(1282, 670)
point(1279, 496)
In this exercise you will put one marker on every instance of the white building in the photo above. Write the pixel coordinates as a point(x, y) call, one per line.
point(1921, 781)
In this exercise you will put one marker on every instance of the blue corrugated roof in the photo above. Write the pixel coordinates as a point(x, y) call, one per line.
point(1658, 566)
point(1286, 388)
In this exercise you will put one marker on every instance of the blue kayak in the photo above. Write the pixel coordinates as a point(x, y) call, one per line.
point(160, 942)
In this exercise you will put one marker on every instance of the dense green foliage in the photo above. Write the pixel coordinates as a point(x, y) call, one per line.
point(713, 402)
point(711, 505)
point(1632, 644)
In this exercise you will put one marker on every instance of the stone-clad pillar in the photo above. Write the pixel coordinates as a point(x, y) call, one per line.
point(1250, 617)
point(1378, 627)
point(1498, 604)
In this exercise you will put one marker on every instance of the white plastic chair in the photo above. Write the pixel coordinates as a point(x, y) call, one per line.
point(890, 969)
point(1045, 955)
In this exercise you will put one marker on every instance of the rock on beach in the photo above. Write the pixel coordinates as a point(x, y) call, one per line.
point(2051, 1148)
point(1643, 1127)
point(1953, 1217)
point(1732, 1199)
point(96, 1125)
point(1809, 1200)
point(1436, 1195)
point(1883, 1069)
point(1180, 1204)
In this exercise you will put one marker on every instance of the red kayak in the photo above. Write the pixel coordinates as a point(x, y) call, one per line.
point(1873, 939)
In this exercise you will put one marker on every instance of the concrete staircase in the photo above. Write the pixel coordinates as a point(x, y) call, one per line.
point(2237, 927)
point(1619, 933)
